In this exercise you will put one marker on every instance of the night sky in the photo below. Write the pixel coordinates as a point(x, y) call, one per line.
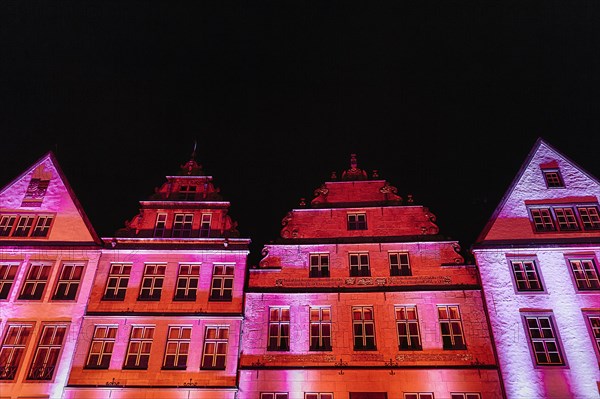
point(444, 98)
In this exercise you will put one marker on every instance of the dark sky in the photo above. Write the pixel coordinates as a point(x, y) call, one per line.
point(444, 98)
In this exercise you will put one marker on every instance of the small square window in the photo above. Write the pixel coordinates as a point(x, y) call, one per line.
point(553, 178)
point(357, 221)
point(399, 264)
point(590, 217)
point(526, 276)
point(359, 264)
point(319, 265)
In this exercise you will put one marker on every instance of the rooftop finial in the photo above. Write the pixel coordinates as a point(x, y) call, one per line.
point(354, 173)
point(194, 151)
point(191, 167)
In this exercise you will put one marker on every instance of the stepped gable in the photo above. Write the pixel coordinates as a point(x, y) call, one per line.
point(190, 192)
point(357, 191)
point(515, 216)
point(40, 206)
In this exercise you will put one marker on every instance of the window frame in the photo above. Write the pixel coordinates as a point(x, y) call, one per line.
point(359, 269)
point(451, 322)
point(323, 340)
point(274, 395)
point(407, 323)
point(582, 217)
point(465, 395)
point(38, 371)
point(5, 280)
point(553, 178)
point(187, 278)
point(160, 225)
point(354, 222)
point(205, 225)
point(184, 337)
point(525, 317)
point(182, 228)
point(591, 220)
point(418, 395)
point(277, 339)
point(154, 274)
point(318, 268)
point(588, 269)
point(217, 341)
point(8, 221)
point(8, 372)
point(399, 268)
point(36, 281)
point(69, 282)
point(363, 322)
point(118, 277)
point(318, 395)
point(103, 342)
point(141, 342)
point(528, 275)
point(593, 329)
point(221, 284)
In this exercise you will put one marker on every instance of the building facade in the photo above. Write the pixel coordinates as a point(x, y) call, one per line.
point(538, 260)
point(361, 297)
point(48, 257)
point(164, 314)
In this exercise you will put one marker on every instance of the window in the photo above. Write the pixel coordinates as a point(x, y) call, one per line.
point(182, 226)
point(418, 395)
point(451, 326)
point(399, 265)
point(543, 341)
point(565, 218)
point(47, 352)
point(319, 265)
point(161, 225)
point(221, 288)
point(42, 226)
point(363, 328)
point(13, 349)
point(35, 192)
point(553, 179)
point(594, 327)
point(68, 282)
point(279, 329)
point(187, 282)
point(320, 329)
point(205, 225)
point(465, 395)
point(273, 395)
point(138, 350)
point(585, 273)
point(35, 281)
point(152, 282)
point(116, 284)
point(407, 325)
point(215, 348)
point(359, 264)
point(526, 275)
point(187, 192)
point(357, 221)
point(178, 347)
point(23, 226)
point(8, 272)
point(101, 348)
point(590, 217)
point(7, 222)
point(313, 395)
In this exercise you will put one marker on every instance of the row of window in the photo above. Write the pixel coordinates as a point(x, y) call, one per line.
point(359, 265)
point(151, 288)
point(363, 328)
point(546, 218)
point(27, 225)
point(101, 349)
point(527, 277)
point(371, 395)
point(182, 225)
point(186, 287)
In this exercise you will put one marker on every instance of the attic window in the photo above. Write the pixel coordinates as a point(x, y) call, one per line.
point(553, 178)
point(35, 192)
point(187, 192)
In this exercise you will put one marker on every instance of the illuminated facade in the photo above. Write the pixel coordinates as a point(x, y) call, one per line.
point(165, 310)
point(362, 298)
point(48, 257)
point(538, 260)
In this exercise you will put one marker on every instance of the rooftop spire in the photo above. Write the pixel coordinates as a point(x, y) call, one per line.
point(191, 167)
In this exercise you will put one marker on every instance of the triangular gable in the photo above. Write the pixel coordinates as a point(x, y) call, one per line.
point(510, 219)
point(43, 193)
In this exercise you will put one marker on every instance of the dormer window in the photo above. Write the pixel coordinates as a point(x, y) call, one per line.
point(553, 178)
point(357, 221)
